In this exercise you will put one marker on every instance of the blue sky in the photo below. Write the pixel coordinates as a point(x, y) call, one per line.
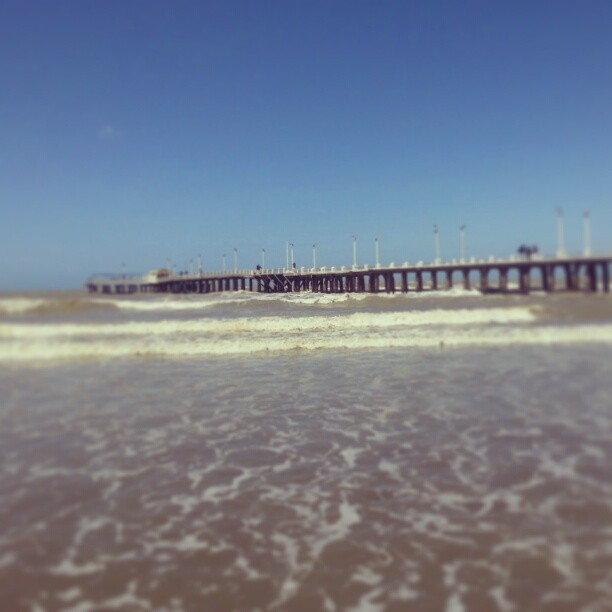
point(136, 131)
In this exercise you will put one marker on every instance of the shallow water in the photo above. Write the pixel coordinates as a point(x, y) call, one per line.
point(459, 475)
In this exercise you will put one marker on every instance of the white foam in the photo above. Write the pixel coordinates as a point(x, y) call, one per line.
point(68, 568)
point(498, 593)
point(339, 529)
point(154, 347)
point(290, 583)
point(366, 602)
point(197, 301)
point(19, 305)
point(454, 603)
point(168, 304)
point(367, 576)
point(7, 559)
point(392, 469)
point(350, 455)
point(69, 594)
point(358, 320)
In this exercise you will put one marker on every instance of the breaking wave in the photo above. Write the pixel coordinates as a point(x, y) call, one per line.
point(14, 306)
point(364, 330)
point(277, 325)
point(42, 306)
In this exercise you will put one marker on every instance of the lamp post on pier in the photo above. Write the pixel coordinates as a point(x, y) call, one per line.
point(462, 243)
point(263, 259)
point(287, 256)
point(437, 243)
point(314, 256)
point(200, 264)
point(377, 245)
point(560, 233)
point(235, 260)
point(292, 258)
point(587, 233)
point(224, 261)
point(354, 252)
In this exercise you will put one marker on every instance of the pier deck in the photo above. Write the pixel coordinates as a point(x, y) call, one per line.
point(511, 275)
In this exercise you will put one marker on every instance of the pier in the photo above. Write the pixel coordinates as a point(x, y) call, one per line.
point(494, 275)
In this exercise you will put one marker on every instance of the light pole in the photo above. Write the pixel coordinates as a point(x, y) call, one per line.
point(191, 266)
point(560, 233)
point(224, 261)
point(587, 233)
point(263, 259)
point(314, 256)
point(235, 260)
point(168, 266)
point(287, 256)
point(354, 251)
point(437, 243)
point(292, 259)
point(462, 243)
point(200, 264)
point(377, 244)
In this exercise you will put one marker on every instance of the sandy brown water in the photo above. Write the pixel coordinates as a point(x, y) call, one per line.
point(427, 478)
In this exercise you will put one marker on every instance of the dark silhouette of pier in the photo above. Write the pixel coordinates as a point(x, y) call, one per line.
point(516, 274)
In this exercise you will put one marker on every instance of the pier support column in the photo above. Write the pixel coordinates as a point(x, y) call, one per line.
point(484, 280)
point(434, 279)
point(404, 282)
point(466, 279)
point(503, 280)
point(592, 278)
point(550, 278)
point(449, 279)
point(545, 276)
point(525, 279)
point(419, 281)
point(571, 277)
point(605, 277)
point(390, 283)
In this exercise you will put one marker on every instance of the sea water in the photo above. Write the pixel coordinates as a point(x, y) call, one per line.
point(240, 451)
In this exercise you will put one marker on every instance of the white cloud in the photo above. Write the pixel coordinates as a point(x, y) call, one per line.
point(108, 132)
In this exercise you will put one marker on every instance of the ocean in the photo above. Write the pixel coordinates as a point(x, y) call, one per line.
point(436, 451)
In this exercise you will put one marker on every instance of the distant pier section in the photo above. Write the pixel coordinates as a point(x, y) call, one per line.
point(514, 274)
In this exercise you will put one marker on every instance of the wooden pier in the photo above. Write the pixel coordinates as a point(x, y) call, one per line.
point(511, 275)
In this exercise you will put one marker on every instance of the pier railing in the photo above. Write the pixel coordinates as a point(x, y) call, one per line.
point(503, 275)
